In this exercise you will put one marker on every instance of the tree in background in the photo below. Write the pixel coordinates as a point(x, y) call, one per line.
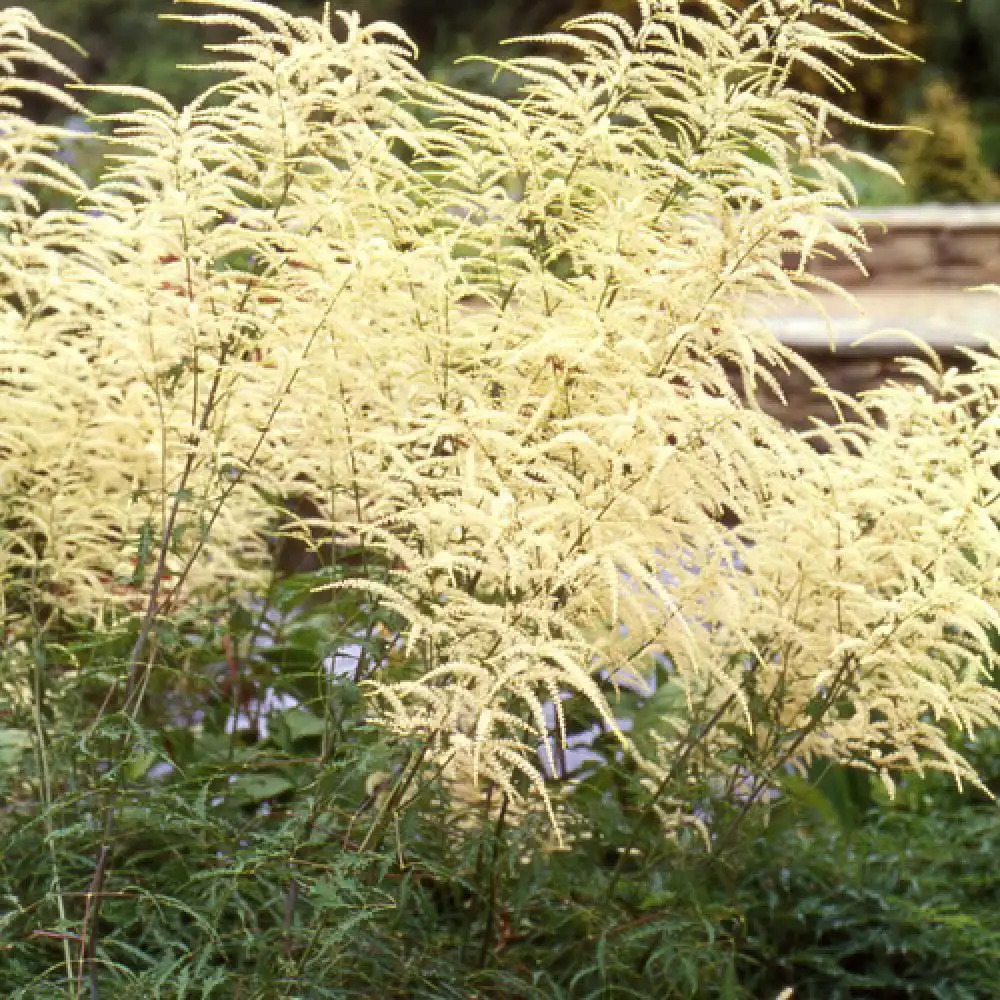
point(941, 159)
point(953, 38)
point(124, 41)
point(875, 90)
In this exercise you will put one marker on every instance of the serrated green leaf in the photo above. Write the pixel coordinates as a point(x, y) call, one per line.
point(13, 743)
point(139, 763)
point(259, 787)
point(301, 724)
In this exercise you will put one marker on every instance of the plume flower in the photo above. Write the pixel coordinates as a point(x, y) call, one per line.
point(490, 342)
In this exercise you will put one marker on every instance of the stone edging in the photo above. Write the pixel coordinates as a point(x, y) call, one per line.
point(921, 246)
point(922, 258)
point(884, 323)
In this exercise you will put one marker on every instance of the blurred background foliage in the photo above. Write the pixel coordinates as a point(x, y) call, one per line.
point(954, 41)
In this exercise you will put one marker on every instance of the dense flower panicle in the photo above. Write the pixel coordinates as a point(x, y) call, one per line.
point(491, 343)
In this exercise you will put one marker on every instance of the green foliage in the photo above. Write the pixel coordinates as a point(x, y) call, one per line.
point(241, 872)
point(907, 905)
point(875, 188)
point(942, 160)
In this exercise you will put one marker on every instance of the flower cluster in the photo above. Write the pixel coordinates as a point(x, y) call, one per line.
point(489, 345)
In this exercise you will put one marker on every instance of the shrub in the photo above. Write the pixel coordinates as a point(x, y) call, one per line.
point(472, 354)
point(905, 906)
point(942, 160)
